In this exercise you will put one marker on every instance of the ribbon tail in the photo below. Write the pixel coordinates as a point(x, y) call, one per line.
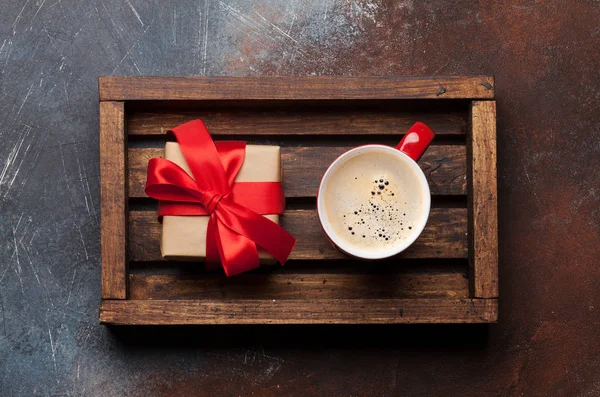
point(265, 233)
point(238, 254)
point(212, 252)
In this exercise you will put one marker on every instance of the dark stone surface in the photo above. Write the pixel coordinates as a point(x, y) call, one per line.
point(545, 57)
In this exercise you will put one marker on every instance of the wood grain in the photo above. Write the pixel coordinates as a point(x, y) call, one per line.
point(303, 167)
point(299, 120)
point(483, 202)
point(292, 311)
point(298, 286)
point(445, 236)
point(117, 88)
point(113, 198)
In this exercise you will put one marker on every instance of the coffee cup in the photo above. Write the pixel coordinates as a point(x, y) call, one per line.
point(373, 201)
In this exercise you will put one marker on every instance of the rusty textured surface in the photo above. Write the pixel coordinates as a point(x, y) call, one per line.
point(545, 58)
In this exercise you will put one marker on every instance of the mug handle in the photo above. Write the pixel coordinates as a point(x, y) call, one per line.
point(416, 140)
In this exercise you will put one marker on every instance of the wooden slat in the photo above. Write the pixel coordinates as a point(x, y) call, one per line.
point(298, 286)
point(445, 236)
point(483, 201)
point(275, 87)
point(303, 167)
point(312, 311)
point(351, 120)
point(113, 200)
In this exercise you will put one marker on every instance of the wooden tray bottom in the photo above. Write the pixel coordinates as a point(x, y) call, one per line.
point(313, 311)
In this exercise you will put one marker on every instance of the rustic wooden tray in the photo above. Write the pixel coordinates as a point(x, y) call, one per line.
point(448, 276)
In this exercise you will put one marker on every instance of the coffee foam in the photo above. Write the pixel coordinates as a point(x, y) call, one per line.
point(372, 203)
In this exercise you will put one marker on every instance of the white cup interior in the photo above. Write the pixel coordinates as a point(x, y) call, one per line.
point(421, 190)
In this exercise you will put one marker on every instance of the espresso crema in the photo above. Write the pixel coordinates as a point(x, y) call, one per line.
point(371, 203)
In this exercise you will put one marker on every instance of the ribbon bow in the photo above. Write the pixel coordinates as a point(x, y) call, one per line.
point(235, 226)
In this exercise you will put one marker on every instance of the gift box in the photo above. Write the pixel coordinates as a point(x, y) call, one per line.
point(184, 237)
point(219, 200)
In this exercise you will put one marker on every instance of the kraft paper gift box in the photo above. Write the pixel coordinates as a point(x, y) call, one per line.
point(184, 237)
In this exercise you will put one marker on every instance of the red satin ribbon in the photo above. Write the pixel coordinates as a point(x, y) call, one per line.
point(235, 226)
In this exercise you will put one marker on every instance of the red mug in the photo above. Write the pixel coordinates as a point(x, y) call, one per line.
point(414, 192)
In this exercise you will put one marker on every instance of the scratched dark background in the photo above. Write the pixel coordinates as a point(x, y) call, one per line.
point(546, 59)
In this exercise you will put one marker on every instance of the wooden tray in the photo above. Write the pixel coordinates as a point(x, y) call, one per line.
point(448, 276)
